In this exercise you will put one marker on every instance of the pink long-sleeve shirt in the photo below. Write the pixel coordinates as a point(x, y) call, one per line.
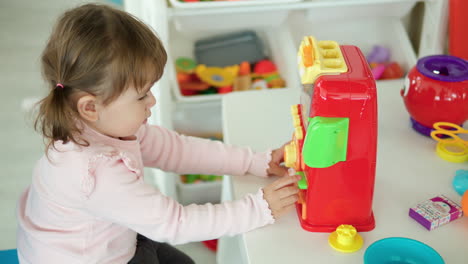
point(86, 204)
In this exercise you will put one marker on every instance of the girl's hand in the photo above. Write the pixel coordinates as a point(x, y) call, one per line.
point(275, 168)
point(281, 195)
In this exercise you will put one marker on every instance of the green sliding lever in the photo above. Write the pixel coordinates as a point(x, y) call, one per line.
point(326, 141)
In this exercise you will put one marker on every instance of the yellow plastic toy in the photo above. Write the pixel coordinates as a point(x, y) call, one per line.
point(319, 58)
point(345, 239)
point(451, 148)
point(217, 76)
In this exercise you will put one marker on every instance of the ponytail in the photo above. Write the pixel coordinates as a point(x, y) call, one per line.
point(56, 119)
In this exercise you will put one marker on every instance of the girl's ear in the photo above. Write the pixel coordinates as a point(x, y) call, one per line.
point(86, 106)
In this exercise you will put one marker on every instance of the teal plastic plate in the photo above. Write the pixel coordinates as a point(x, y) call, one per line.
point(400, 250)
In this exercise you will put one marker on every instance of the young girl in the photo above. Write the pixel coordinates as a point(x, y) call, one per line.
point(88, 201)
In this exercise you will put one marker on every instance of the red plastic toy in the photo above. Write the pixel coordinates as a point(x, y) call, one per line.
point(335, 140)
point(264, 67)
point(392, 71)
point(436, 90)
point(211, 244)
point(458, 23)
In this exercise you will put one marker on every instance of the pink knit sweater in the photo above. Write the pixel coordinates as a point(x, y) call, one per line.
point(86, 204)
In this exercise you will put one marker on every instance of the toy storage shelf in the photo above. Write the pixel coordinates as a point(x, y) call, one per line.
point(281, 28)
point(276, 41)
point(199, 193)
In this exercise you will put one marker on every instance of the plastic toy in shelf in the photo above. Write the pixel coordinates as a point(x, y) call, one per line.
point(392, 70)
point(275, 81)
point(229, 49)
point(200, 79)
point(379, 54)
point(267, 70)
point(401, 250)
point(265, 67)
point(345, 239)
point(335, 137)
point(190, 82)
point(243, 81)
point(460, 181)
point(225, 89)
point(196, 178)
point(377, 70)
point(185, 65)
point(259, 84)
point(450, 146)
point(183, 77)
point(217, 76)
point(382, 67)
point(436, 90)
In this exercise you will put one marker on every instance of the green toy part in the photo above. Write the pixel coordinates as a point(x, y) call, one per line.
point(326, 141)
point(302, 183)
point(194, 178)
point(184, 64)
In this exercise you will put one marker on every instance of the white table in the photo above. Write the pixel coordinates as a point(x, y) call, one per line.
point(408, 172)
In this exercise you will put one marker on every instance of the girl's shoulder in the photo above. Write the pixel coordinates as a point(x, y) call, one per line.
point(82, 163)
point(73, 150)
point(90, 156)
point(99, 153)
point(66, 174)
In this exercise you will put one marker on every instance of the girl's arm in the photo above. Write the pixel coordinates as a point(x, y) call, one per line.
point(121, 196)
point(170, 151)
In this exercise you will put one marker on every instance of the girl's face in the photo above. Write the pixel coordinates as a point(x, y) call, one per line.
point(125, 115)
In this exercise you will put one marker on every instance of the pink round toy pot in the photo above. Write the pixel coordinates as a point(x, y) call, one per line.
point(436, 90)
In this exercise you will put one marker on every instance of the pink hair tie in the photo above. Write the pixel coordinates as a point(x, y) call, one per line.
point(59, 85)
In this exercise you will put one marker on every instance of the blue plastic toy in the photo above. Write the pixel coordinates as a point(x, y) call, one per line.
point(401, 250)
point(9, 256)
point(460, 181)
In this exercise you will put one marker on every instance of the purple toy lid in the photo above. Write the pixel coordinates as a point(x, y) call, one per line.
point(443, 68)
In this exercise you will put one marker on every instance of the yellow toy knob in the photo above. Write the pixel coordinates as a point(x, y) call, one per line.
point(345, 239)
point(298, 133)
point(294, 110)
point(290, 151)
point(296, 121)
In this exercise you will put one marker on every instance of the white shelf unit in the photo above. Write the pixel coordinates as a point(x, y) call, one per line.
point(199, 193)
point(280, 26)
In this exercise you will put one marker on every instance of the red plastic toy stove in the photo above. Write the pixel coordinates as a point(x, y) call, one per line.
point(335, 139)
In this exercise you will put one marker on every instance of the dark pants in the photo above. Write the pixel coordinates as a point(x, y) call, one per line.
point(152, 252)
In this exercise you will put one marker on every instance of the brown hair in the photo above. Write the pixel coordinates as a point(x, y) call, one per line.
point(98, 50)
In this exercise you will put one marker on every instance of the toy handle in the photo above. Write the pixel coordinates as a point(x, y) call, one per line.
point(441, 136)
point(448, 130)
point(449, 127)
